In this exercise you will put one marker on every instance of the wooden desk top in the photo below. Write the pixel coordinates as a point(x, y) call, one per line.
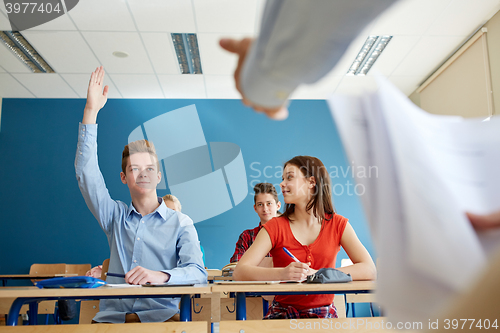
point(14, 292)
point(296, 287)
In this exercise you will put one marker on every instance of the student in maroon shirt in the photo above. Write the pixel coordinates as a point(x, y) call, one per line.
point(266, 206)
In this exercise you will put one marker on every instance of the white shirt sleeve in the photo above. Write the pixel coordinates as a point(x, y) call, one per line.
point(300, 42)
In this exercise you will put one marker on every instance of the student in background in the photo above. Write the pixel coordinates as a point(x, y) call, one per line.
point(313, 232)
point(172, 202)
point(266, 205)
point(148, 242)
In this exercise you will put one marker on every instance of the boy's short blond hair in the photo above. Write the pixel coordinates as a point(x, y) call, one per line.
point(139, 146)
point(173, 198)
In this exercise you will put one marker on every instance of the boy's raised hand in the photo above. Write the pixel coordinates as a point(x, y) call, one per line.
point(96, 96)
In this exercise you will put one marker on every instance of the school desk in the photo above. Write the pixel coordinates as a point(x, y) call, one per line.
point(32, 295)
point(243, 290)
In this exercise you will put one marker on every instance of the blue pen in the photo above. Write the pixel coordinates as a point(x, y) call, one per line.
point(290, 254)
point(115, 275)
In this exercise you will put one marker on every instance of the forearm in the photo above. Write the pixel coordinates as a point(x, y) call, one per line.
point(89, 116)
point(256, 273)
point(300, 43)
point(360, 271)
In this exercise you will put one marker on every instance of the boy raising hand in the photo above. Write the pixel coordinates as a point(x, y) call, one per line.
point(148, 241)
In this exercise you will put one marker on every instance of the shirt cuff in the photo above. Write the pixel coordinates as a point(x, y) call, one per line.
point(87, 132)
point(179, 277)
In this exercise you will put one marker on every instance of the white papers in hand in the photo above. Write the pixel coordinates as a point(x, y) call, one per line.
point(431, 169)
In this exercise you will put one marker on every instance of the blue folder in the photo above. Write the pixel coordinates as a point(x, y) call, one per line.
point(71, 282)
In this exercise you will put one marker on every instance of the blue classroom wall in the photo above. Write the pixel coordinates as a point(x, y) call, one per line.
point(45, 219)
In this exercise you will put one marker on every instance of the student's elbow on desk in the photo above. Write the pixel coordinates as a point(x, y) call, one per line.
point(361, 271)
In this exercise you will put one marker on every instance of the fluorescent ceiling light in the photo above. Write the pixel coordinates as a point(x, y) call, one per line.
point(188, 54)
point(25, 52)
point(368, 54)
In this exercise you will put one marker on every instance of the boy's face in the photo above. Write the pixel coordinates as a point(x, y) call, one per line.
point(266, 207)
point(141, 174)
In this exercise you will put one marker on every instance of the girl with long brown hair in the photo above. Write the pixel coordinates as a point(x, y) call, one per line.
point(313, 232)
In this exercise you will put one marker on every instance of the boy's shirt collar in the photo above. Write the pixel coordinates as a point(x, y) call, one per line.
point(161, 210)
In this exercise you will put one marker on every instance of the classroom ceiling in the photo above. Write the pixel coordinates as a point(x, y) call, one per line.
point(425, 33)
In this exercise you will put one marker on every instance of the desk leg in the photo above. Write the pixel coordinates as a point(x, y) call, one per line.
point(241, 306)
point(15, 308)
point(265, 307)
point(33, 313)
point(186, 308)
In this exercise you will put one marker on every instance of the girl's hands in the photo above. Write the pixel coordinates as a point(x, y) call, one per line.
point(296, 271)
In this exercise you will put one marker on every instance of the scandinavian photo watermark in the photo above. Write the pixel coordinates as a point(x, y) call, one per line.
point(383, 324)
point(342, 177)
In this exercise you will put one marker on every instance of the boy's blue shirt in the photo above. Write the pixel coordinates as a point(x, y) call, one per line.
point(164, 240)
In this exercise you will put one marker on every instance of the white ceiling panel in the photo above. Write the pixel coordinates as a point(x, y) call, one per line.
point(396, 50)
point(161, 51)
point(319, 90)
point(407, 84)
point(221, 87)
point(63, 23)
point(46, 85)
point(10, 62)
point(11, 88)
point(215, 60)
point(137, 86)
point(76, 58)
point(102, 15)
point(163, 15)
point(409, 17)
point(425, 33)
point(183, 86)
point(105, 43)
point(429, 52)
point(4, 21)
point(226, 16)
point(80, 84)
point(463, 17)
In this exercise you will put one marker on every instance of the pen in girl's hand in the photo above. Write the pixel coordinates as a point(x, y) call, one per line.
point(290, 254)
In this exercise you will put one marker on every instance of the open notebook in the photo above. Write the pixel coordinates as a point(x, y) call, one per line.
point(417, 174)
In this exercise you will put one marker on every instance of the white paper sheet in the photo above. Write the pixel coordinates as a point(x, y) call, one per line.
point(122, 285)
point(431, 169)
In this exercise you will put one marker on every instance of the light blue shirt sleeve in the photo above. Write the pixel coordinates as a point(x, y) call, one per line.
point(90, 179)
point(190, 264)
point(300, 42)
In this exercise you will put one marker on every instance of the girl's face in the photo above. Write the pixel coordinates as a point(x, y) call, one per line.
point(296, 188)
